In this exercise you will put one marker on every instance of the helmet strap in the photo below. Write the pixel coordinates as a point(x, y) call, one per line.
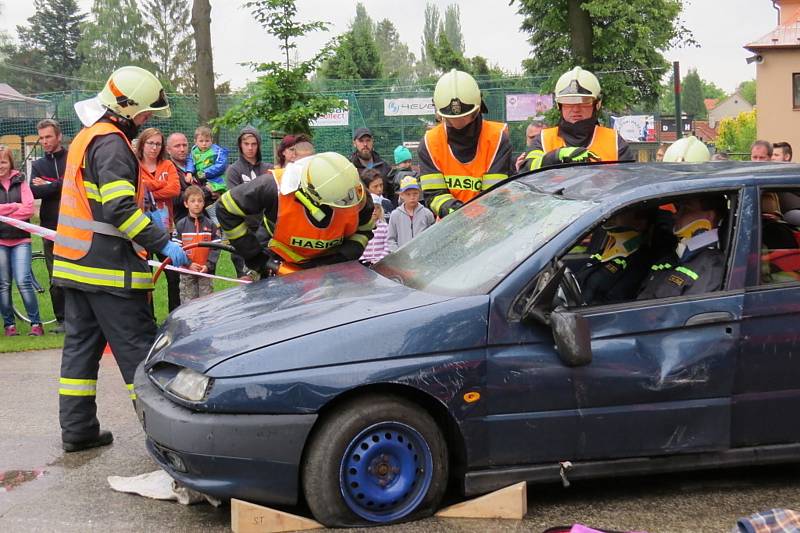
point(128, 127)
point(315, 211)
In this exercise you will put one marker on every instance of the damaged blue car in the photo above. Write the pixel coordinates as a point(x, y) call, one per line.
point(472, 358)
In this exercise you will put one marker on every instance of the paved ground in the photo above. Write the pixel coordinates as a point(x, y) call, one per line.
point(43, 489)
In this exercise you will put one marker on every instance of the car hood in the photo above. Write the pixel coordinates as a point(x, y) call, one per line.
point(209, 330)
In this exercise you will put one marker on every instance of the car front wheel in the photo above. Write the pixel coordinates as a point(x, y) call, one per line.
point(375, 460)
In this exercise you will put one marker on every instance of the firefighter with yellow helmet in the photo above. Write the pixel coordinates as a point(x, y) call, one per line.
point(102, 239)
point(578, 137)
point(464, 154)
point(315, 211)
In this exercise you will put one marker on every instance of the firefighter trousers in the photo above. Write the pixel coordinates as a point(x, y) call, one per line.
point(91, 320)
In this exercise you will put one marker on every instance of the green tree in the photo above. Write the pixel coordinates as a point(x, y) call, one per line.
point(452, 27)
point(430, 28)
point(398, 62)
point(748, 91)
point(172, 43)
point(444, 56)
point(692, 101)
point(737, 134)
point(53, 33)
point(281, 96)
point(605, 35)
point(357, 55)
point(112, 38)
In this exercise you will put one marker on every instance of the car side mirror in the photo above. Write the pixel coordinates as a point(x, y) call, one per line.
point(573, 338)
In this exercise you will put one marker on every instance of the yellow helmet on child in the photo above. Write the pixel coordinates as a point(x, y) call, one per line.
point(331, 179)
point(130, 91)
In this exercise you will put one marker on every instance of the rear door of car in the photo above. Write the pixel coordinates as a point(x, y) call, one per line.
point(767, 386)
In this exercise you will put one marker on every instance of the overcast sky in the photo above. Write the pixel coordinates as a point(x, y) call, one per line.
point(490, 28)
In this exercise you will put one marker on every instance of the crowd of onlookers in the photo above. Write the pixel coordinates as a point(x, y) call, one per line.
point(181, 184)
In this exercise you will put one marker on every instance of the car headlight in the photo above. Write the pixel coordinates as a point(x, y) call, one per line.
point(189, 385)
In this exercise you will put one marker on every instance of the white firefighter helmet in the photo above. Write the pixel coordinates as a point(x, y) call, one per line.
point(133, 90)
point(577, 86)
point(457, 95)
point(687, 150)
point(331, 179)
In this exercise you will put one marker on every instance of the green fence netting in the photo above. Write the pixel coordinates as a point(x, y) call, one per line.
point(365, 102)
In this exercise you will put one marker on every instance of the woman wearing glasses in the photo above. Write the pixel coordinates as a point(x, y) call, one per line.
point(162, 184)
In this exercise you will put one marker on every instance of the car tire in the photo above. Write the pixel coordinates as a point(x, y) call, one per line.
point(375, 460)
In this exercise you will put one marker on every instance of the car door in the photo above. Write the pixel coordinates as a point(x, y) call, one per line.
point(767, 385)
point(659, 382)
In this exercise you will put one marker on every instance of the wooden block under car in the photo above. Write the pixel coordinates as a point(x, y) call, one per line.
point(510, 502)
point(248, 517)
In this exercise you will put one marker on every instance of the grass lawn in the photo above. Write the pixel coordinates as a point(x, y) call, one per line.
point(51, 340)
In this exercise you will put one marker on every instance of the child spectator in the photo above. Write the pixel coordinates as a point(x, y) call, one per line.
point(196, 227)
point(401, 169)
point(373, 181)
point(410, 218)
point(210, 161)
point(376, 247)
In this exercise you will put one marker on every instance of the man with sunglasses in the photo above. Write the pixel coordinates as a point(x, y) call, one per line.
point(578, 137)
point(464, 154)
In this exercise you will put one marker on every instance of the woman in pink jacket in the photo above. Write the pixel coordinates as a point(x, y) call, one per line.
point(16, 201)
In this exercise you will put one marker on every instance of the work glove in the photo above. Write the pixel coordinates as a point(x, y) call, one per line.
point(265, 263)
point(450, 207)
point(576, 154)
point(175, 253)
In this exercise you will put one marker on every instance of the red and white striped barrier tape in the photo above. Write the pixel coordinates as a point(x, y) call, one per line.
point(50, 235)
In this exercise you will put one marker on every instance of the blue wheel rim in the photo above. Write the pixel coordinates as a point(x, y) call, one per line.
point(385, 472)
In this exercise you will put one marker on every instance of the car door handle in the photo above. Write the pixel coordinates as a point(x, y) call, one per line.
point(709, 318)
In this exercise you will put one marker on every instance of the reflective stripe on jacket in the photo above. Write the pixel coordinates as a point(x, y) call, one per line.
point(295, 238)
point(603, 144)
point(464, 180)
point(92, 252)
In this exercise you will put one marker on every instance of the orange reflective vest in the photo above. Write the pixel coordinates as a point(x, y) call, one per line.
point(466, 180)
point(296, 239)
point(604, 142)
point(76, 225)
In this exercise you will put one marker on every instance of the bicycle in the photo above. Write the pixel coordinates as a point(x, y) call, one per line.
point(41, 285)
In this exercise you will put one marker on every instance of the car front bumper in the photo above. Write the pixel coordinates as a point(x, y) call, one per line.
point(250, 457)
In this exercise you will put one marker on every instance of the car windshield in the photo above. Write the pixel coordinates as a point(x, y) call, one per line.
point(474, 248)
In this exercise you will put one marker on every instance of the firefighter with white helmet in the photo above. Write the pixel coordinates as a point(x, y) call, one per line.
point(578, 137)
point(315, 210)
point(687, 150)
point(102, 241)
point(464, 154)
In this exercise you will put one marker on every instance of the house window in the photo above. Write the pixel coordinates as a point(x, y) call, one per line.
point(796, 90)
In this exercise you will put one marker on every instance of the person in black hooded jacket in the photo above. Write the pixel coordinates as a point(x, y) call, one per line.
point(247, 168)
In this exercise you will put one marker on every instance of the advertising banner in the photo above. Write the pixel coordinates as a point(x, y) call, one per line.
point(521, 107)
point(338, 117)
point(635, 128)
point(398, 107)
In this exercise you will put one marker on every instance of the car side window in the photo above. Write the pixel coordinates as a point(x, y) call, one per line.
point(658, 249)
point(779, 214)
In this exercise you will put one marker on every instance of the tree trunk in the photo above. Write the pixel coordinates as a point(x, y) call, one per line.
point(204, 68)
point(580, 30)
